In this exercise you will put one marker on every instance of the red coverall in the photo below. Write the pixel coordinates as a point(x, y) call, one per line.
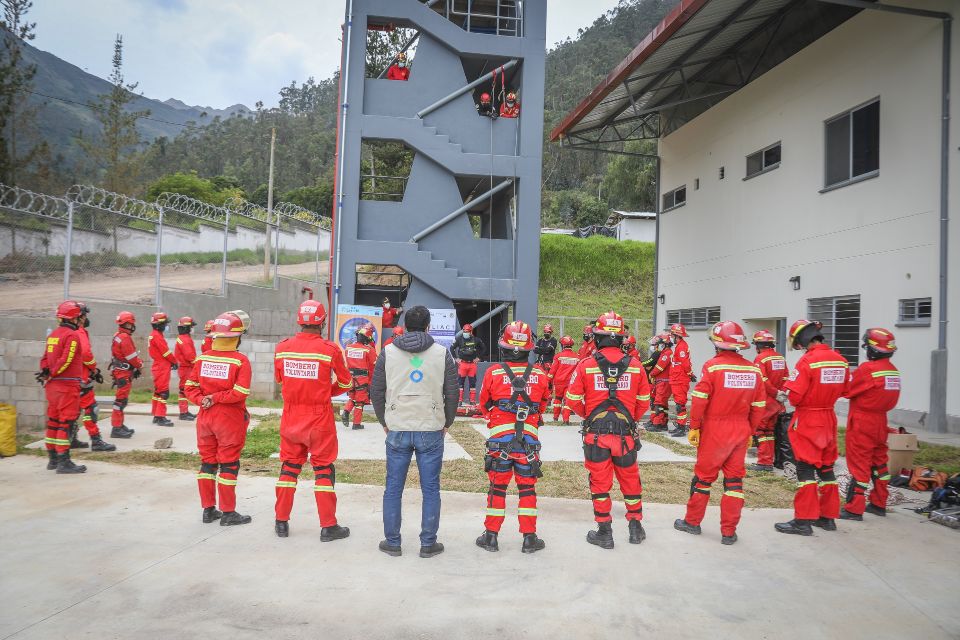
point(506, 457)
point(773, 366)
point(126, 358)
point(206, 345)
point(88, 399)
point(586, 349)
point(874, 390)
point(510, 112)
point(307, 366)
point(185, 352)
point(222, 428)
point(163, 360)
point(609, 454)
point(361, 359)
point(660, 394)
point(62, 357)
point(563, 365)
point(389, 318)
point(396, 72)
point(728, 405)
point(681, 370)
point(816, 384)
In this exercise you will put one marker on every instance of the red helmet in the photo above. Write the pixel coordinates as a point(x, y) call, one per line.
point(728, 335)
point(366, 331)
point(566, 341)
point(159, 318)
point(632, 341)
point(484, 98)
point(879, 340)
point(588, 330)
point(125, 317)
point(609, 324)
point(231, 324)
point(186, 321)
point(468, 328)
point(397, 331)
point(797, 328)
point(516, 337)
point(511, 97)
point(208, 326)
point(678, 330)
point(311, 313)
point(547, 328)
point(69, 310)
point(763, 336)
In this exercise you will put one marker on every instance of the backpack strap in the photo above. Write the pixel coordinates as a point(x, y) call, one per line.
point(519, 385)
point(611, 372)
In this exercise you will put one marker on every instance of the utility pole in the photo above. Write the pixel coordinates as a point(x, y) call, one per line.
point(266, 244)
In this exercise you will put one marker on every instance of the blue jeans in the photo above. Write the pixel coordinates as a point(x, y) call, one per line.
point(401, 446)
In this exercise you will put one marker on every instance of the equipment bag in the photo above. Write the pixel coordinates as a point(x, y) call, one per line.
point(8, 430)
point(783, 452)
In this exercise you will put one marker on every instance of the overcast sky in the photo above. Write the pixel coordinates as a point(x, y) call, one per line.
point(218, 53)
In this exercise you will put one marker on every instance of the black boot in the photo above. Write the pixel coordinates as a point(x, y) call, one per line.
point(654, 428)
point(357, 427)
point(827, 524)
point(760, 467)
point(336, 532)
point(163, 422)
point(682, 525)
point(282, 527)
point(66, 465)
point(728, 540)
point(390, 549)
point(602, 537)
point(846, 515)
point(76, 444)
point(429, 551)
point(210, 514)
point(531, 543)
point(795, 527)
point(637, 534)
point(488, 541)
point(875, 510)
point(678, 431)
point(52, 459)
point(121, 432)
point(230, 518)
point(97, 444)
point(345, 418)
point(189, 417)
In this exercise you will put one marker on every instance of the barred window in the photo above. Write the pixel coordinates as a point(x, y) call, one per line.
point(840, 316)
point(915, 312)
point(698, 318)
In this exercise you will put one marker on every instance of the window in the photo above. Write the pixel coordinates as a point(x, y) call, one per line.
point(763, 160)
point(675, 198)
point(852, 146)
point(699, 318)
point(915, 312)
point(841, 323)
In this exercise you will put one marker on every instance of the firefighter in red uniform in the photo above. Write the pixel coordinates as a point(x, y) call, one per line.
point(773, 366)
point(588, 346)
point(609, 390)
point(308, 366)
point(817, 382)
point(88, 399)
point(398, 70)
point(874, 390)
point(361, 359)
point(125, 367)
point(630, 347)
point(660, 383)
point(61, 370)
point(513, 396)
point(546, 348)
point(681, 374)
point(219, 384)
point(486, 108)
point(185, 352)
point(390, 315)
point(207, 340)
point(397, 331)
point(563, 366)
point(467, 349)
point(728, 405)
point(510, 107)
point(163, 363)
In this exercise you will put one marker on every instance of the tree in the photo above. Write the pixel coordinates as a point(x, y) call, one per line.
point(215, 191)
point(630, 182)
point(383, 45)
point(113, 153)
point(16, 82)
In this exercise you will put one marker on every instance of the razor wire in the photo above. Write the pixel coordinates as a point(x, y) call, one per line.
point(176, 204)
point(32, 203)
point(311, 218)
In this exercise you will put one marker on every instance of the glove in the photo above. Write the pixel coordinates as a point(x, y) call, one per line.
point(782, 397)
point(174, 367)
point(137, 373)
point(693, 378)
point(42, 376)
point(693, 437)
point(97, 377)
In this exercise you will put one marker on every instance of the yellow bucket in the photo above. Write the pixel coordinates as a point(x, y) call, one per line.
point(8, 430)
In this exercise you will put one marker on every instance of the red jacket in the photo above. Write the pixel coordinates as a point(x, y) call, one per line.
point(361, 359)
point(86, 355)
point(874, 387)
point(497, 386)
point(224, 375)
point(588, 390)
point(185, 351)
point(730, 389)
point(206, 345)
point(681, 369)
point(819, 379)
point(773, 366)
point(396, 72)
point(159, 350)
point(389, 318)
point(510, 112)
point(63, 355)
point(309, 367)
point(661, 370)
point(563, 365)
point(586, 349)
point(124, 350)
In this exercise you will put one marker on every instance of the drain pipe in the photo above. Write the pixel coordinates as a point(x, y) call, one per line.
point(345, 73)
point(656, 245)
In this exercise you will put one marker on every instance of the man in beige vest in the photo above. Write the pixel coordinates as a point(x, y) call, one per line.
point(414, 393)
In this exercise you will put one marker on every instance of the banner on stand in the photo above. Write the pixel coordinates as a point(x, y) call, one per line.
point(351, 317)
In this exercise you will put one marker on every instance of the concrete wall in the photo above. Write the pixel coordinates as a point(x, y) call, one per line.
point(736, 243)
point(637, 229)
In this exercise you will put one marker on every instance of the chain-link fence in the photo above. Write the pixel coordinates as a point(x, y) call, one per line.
point(573, 326)
point(92, 244)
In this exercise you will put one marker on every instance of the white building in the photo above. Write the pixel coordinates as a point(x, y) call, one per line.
point(801, 146)
point(634, 225)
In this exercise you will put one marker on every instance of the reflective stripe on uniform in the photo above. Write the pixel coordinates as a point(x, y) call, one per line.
point(495, 512)
point(206, 476)
point(56, 441)
point(632, 501)
point(803, 483)
point(323, 488)
point(242, 390)
point(284, 483)
point(700, 394)
point(885, 374)
point(759, 403)
point(208, 358)
point(304, 356)
point(733, 367)
point(527, 511)
point(222, 480)
point(572, 396)
point(828, 363)
point(734, 494)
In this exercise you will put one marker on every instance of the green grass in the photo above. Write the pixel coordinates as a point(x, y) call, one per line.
point(940, 457)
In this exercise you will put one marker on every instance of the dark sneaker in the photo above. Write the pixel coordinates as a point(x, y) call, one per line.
point(98, 444)
point(827, 524)
point(602, 537)
point(846, 515)
point(795, 527)
point(682, 525)
point(121, 432)
point(163, 422)
point(760, 467)
point(336, 532)
point(875, 510)
point(389, 549)
point(434, 549)
point(728, 540)
point(211, 514)
point(532, 543)
point(488, 541)
point(188, 417)
point(76, 444)
point(231, 518)
point(282, 527)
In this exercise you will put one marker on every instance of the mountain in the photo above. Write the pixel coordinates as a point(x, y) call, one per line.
point(62, 91)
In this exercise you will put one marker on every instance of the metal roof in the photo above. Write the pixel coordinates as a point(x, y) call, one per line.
point(702, 51)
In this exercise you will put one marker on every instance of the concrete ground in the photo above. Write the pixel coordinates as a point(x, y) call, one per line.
point(121, 553)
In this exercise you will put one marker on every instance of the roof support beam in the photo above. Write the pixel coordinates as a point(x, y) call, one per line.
point(891, 8)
